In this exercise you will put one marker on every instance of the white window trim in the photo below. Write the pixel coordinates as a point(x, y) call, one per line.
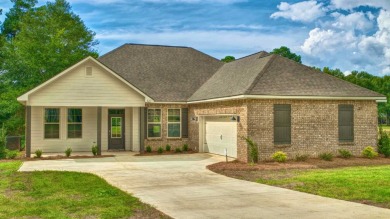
point(75, 123)
point(44, 124)
point(173, 122)
point(156, 123)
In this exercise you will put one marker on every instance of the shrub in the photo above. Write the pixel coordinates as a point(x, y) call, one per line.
point(148, 149)
point(253, 150)
point(326, 156)
point(94, 150)
point(3, 153)
point(302, 157)
point(12, 154)
point(160, 150)
point(167, 147)
point(345, 153)
point(185, 147)
point(68, 152)
point(177, 150)
point(384, 143)
point(38, 153)
point(279, 156)
point(369, 152)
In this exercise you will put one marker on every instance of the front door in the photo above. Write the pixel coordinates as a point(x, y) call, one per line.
point(116, 129)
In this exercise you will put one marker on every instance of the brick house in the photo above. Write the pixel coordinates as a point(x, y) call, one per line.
point(140, 95)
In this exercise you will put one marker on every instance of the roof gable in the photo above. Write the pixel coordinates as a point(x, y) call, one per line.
point(25, 97)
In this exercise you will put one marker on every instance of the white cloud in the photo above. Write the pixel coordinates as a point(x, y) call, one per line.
point(321, 41)
point(305, 11)
point(351, 4)
point(355, 20)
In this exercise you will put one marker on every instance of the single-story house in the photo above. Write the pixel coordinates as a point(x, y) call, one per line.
point(148, 95)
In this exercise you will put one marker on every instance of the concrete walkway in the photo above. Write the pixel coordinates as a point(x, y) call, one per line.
point(181, 186)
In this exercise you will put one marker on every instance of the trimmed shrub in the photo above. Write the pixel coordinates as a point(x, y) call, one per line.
point(148, 149)
point(167, 147)
point(12, 154)
point(160, 150)
point(3, 153)
point(369, 152)
point(326, 156)
point(279, 156)
point(253, 150)
point(301, 157)
point(384, 143)
point(346, 154)
point(177, 150)
point(185, 147)
point(68, 152)
point(38, 153)
point(94, 150)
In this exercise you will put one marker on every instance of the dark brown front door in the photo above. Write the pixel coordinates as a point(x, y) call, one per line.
point(116, 129)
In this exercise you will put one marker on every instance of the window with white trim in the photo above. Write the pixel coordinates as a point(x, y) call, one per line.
point(174, 123)
point(52, 123)
point(75, 123)
point(154, 123)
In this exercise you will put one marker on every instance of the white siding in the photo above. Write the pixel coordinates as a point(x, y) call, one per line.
point(75, 88)
point(60, 145)
point(135, 129)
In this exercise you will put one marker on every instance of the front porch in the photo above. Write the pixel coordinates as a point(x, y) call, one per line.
point(54, 129)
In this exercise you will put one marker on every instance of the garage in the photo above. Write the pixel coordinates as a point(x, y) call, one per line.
point(220, 133)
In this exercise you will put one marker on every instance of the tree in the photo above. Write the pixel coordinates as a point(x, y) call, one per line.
point(11, 25)
point(45, 41)
point(285, 52)
point(228, 59)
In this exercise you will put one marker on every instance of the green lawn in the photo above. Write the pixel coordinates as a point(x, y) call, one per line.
point(386, 128)
point(369, 185)
point(51, 194)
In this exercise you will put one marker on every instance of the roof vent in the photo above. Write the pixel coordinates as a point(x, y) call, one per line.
point(88, 71)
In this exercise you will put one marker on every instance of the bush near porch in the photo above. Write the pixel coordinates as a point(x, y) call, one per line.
point(51, 194)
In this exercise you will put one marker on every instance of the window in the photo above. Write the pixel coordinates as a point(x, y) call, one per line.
point(174, 124)
point(154, 123)
point(52, 123)
point(346, 132)
point(282, 124)
point(116, 127)
point(75, 123)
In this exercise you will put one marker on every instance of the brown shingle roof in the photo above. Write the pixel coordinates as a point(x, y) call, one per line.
point(178, 74)
point(165, 73)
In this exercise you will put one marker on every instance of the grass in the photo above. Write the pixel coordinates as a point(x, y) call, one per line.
point(386, 128)
point(370, 185)
point(51, 194)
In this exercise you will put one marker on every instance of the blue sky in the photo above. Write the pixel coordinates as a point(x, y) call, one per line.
point(345, 34)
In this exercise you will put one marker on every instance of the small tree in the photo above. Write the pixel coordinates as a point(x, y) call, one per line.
point(228, 59)
point(384, 143)
point(253, 150)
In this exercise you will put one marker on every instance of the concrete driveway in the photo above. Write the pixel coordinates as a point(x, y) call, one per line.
point(181, 186)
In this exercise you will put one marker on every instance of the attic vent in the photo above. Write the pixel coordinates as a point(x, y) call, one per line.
point(88, 71)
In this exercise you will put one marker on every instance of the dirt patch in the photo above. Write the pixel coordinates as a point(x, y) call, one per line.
point(147, 211)
point(155, 153)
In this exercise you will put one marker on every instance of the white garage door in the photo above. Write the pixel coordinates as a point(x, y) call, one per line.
point(221, 133)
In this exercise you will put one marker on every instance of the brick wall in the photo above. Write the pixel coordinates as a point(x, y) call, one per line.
point(155, 143)
point(314, 127)
point(238, 107)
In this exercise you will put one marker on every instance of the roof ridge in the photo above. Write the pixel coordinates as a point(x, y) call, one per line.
point(268, 54)
point(142, 44)
point(112, 51)
point(261, 73)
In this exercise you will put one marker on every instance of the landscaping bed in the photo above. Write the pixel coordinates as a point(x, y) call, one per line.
point(156, 153)
point(356, 179)
point(52, 194)
point(56, 157)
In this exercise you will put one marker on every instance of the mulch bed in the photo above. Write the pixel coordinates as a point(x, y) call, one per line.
point(309, 164)
point(57, 157)
point(155, 153)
